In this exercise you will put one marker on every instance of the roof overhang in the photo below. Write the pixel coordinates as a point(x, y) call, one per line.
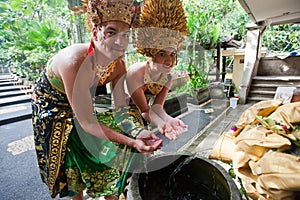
point(272, 12)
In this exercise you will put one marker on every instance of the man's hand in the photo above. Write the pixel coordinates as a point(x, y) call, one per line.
point(147, 142)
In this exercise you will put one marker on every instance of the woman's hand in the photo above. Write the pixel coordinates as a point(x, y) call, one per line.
point(172, 128)
point(167, 130)
point(177, 125)
point(147, 142)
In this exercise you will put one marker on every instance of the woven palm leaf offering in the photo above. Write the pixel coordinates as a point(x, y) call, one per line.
point(264, 150)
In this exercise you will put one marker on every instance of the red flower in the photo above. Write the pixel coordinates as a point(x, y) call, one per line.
point(286, 129)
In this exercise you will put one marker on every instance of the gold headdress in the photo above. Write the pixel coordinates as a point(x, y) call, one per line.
point(162, 24)
point(99, 11)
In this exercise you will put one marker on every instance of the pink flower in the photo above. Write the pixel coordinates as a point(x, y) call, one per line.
point(234, 128)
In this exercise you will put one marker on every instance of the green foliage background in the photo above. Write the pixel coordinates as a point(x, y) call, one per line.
point(32, 31)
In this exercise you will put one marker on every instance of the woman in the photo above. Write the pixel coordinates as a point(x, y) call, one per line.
point(160, 36)
point(73, 149)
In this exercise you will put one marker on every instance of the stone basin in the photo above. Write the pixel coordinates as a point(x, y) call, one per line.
point(182, 177)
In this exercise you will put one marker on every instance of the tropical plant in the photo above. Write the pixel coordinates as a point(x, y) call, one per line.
point(31, 31)
point(282, 38)
point(30, 34)
point(209, 22)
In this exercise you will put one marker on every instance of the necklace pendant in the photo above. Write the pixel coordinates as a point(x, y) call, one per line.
point(103, 73)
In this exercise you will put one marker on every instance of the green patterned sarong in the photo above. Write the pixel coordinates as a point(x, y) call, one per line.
point(107, 161)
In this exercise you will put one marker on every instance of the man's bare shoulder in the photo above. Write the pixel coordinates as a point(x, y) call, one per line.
point(74, 49)
point(72, 53)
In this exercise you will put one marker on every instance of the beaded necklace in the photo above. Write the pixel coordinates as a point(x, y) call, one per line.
point(104, 72)
point(154, 87)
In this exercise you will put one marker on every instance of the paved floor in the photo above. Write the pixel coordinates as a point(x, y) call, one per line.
point(18, 166)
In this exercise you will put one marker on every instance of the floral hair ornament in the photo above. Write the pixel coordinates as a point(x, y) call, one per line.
point(100, 11)
point(162, 25)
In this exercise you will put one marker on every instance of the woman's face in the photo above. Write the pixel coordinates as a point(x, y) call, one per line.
point(112, 39)
point(165, 59)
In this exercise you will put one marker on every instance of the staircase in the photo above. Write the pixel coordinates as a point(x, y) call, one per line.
point(14, 99)
point(264, 87)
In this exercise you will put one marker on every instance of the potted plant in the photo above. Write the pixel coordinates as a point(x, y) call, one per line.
point(197, 85)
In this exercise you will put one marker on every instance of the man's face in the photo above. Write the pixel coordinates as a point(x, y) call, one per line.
point(115, 36)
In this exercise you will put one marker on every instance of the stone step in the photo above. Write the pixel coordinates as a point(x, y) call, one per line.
point(276, 82)
point(15, 93)
point(14, 87)
point(264, 87)
point(15, 100)
point(5, 70)
point(5, 80)
point(277, 78)
point(269, 86)
point(260, 97)
point(256, 99)
point(13, 82)
point(14, 113)
point(262, 92)
point(6, 76)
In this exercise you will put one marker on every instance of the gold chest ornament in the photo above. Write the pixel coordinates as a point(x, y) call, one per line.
point(104, 72)
point(154, 87)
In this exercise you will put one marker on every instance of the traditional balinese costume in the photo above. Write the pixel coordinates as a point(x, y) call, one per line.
point(162, 25)
point(71, 160)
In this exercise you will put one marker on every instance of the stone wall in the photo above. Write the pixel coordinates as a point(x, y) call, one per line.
point(273, 66)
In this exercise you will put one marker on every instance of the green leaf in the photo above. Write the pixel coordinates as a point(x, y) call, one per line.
point(27, 11)
point(216, 30)
point(3, 6)
point(16, 4)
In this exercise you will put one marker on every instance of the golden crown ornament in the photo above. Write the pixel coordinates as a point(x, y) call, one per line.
point(99, 11)
point(162, 25)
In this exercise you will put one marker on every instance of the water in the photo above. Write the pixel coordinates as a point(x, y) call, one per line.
point(184, 179)
point(172, 179)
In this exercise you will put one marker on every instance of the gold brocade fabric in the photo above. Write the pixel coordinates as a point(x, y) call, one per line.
point(104, 72)
point(52, 124)
point(154, 87)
